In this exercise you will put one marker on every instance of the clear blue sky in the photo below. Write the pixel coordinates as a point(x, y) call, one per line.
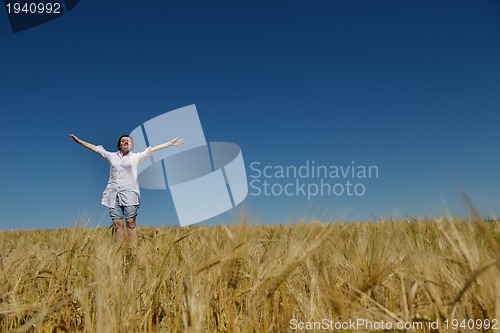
point(410, 86)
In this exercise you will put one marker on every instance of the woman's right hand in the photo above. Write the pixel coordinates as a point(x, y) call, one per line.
point(75, 138)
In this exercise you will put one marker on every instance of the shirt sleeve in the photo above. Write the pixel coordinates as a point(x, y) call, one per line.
point(99, 150)
point(144, 155)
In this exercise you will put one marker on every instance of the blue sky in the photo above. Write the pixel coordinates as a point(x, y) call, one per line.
point(411, 87)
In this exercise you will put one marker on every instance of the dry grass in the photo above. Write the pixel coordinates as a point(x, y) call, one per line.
point(250, 278)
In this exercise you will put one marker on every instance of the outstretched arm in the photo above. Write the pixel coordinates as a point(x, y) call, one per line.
point(81, 142)
point(173, 142)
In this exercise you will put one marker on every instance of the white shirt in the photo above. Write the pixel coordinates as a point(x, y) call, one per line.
point(122, 176)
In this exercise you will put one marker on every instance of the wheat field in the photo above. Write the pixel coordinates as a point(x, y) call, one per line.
point(387, 276)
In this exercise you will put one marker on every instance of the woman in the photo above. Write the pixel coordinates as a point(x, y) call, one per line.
point(122, 196)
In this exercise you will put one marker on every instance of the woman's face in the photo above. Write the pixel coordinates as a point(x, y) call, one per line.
point(125, 145)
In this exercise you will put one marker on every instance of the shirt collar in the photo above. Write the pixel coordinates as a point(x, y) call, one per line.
point(119, 152)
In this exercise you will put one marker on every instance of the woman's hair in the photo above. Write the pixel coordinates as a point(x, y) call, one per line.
point(125, 136)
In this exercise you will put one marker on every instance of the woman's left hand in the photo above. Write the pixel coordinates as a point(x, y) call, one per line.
point(176, 142)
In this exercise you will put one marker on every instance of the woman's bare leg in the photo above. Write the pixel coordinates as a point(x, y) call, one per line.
point(132, 231)
point(118, 225)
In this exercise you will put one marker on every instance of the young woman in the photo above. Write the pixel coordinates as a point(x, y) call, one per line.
point(122, 195)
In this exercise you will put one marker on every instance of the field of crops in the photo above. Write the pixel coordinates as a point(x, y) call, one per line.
point(395, 275)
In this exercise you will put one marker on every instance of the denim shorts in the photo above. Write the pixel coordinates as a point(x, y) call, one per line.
point(122, 212)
